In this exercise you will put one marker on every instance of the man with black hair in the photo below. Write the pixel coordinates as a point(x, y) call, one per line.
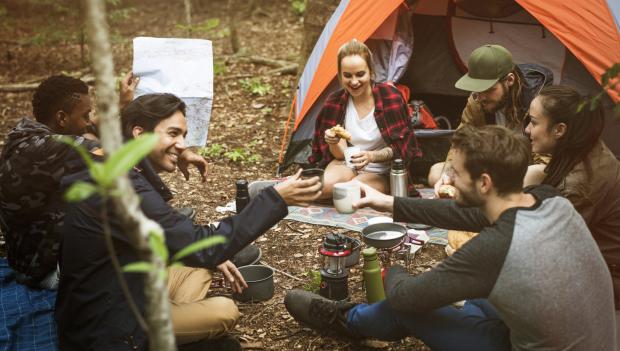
point(534, 278)
point(91, 310)
point(31, 165)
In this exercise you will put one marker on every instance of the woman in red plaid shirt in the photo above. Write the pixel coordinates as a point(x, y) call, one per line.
point(375, 115)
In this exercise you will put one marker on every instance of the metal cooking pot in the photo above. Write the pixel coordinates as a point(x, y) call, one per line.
point(260, 284)
point(383, 235)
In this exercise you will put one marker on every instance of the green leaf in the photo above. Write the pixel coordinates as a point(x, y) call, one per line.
point(138, 267)
point(79, 148)
point(80, 191)
point(199, 245)
point(156, 242)
point(595, 101)
point(614, 71)
point(176, 265)
point(617, 111)
point(581, 106)
point(128, 156)
point(97, 172)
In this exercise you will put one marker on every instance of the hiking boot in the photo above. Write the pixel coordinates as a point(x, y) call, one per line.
point(226, 343)
point(187, 212)
point(250, 254)
point(318, 312)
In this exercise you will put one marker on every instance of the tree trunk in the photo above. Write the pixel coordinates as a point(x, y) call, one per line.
point(232, 26)
point(188, 17)
point(317, 14)
point(138, 227)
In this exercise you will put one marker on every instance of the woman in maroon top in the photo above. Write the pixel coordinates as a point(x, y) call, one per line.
point(375, 115)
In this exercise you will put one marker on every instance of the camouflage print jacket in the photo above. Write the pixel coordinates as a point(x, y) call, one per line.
point(31, 165)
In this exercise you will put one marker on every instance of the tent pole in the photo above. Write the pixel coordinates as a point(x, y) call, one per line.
point(288, 122)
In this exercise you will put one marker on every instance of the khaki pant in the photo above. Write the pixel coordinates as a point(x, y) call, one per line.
point(194, 316)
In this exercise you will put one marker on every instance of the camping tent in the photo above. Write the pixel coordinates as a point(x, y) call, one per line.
point(426, 47)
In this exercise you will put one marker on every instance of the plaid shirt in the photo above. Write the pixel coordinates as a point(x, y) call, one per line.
point(391, 117)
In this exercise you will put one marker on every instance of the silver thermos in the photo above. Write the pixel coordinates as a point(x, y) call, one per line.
point(398, 178)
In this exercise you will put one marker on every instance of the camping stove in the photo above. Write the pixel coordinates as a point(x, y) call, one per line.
point(387, 254)
point(334, 274)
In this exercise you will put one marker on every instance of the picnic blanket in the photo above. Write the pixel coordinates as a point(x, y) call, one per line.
point(327, 215)
point(26, 315)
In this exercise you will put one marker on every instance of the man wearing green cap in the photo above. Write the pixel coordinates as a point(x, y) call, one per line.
point(501, 93)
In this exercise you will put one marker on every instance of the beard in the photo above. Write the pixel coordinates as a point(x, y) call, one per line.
point(493, 106)
point(468, 198)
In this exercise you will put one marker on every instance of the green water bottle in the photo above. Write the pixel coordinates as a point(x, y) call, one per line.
point(372, 276)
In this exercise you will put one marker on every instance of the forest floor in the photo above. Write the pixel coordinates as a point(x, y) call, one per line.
point(32, 48)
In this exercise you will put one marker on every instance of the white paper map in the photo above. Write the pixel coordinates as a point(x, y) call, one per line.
point(183, 67)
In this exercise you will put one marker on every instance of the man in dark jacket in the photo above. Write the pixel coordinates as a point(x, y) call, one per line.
point(501, 93)
point(91, 311)
point(31, 165)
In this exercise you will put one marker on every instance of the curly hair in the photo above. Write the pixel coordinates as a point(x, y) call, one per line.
point(54, 94)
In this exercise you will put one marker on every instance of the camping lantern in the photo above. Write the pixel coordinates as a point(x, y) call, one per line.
point(334, 274)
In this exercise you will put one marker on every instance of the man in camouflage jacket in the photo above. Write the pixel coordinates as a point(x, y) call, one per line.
point(31, 165)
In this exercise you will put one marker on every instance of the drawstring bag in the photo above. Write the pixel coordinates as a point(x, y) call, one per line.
point(420, 115)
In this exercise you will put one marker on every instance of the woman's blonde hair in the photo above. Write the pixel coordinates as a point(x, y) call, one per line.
point(354, 47)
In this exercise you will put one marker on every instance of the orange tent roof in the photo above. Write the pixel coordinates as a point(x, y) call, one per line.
point(586, 28)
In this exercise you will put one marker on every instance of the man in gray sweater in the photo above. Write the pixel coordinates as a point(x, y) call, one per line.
point(534, 278)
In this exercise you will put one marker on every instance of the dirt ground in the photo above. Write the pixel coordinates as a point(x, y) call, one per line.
point(32, 49)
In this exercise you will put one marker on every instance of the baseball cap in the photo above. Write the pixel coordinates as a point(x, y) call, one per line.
point(487, 64)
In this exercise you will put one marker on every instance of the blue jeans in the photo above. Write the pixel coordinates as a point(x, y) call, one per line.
point(476, 326)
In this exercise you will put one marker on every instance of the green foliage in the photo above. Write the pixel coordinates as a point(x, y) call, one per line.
point(123, 14)
point(49, 35)
point(610, 80)
point(212, 151)
point(314, 283)
point(158, 245)
point(128, 156)
point(80, 191)
point(138, 267)
point(219, 68)
point(299, 7)
point(238, 154)
point(199, 245)
point(611, 73)
point(202, 27)
point(104, 174)
point(255, 86)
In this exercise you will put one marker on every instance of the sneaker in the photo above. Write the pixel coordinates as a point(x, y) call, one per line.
point(187, 212)
point(318, 312)
point(226, 343)
point(250, 254)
